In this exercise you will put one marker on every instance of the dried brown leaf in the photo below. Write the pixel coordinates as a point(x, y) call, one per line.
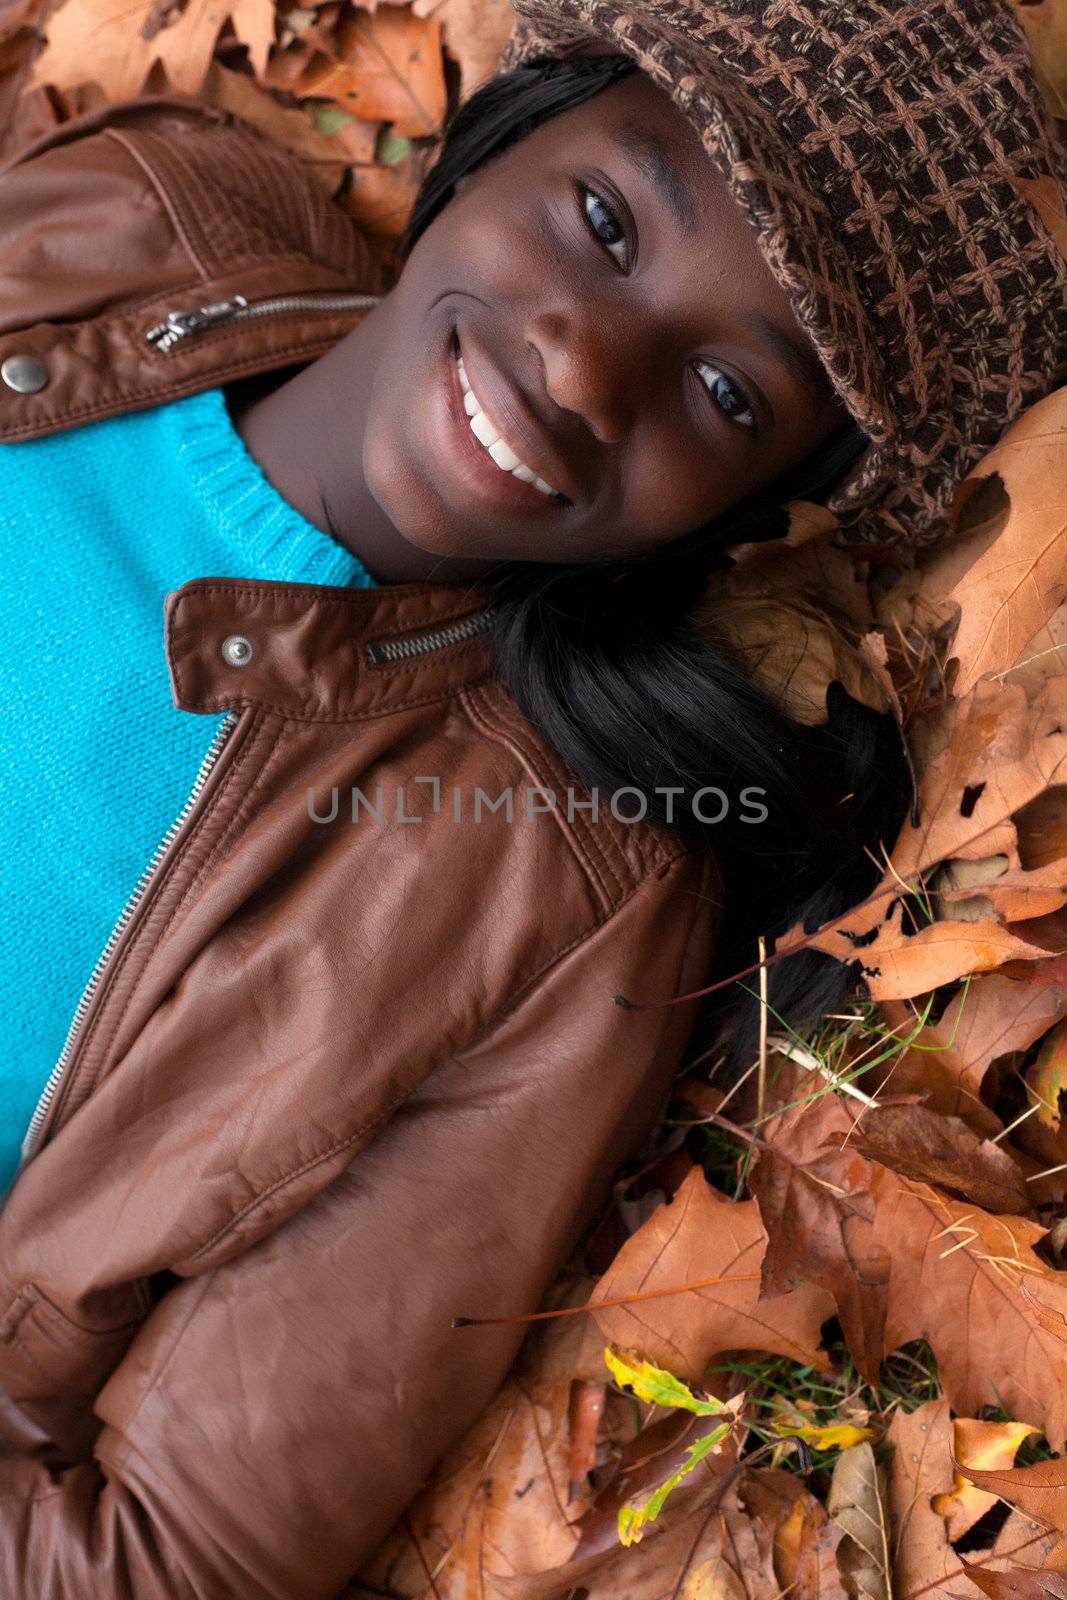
point(920, 1144)
point(1018, 1584)
point(1040, 1492)
point(120, 57)
point(1001, 755)
point(805, 1538)
point(993, 1015)
point(954, 1280)
point(385, 67)
point(986, 1445)
point(700, 1234)
point(816, 1206)
point(1013, 587)
point(475, 33)
point(857, 1504)
point(920, 1470)
point(795, 654)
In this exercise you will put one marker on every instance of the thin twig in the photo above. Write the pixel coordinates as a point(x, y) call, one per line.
point(761, 1081)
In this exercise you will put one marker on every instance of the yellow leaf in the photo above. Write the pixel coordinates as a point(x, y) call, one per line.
point(835, 1436)
point(660, 1387)
point(636, 1513)
point(985, 1446)
point(1047, 1078)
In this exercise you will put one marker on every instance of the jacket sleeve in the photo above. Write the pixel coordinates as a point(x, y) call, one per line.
point(275, 1415)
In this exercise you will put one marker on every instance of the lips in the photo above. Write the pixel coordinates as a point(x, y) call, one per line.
point(511, 416)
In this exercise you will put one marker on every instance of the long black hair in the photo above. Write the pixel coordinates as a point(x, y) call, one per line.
point(603, 659)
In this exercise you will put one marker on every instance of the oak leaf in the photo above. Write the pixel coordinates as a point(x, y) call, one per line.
point(924, 1561)
point(120, 56)
point(475, 33)
point(939, 1150)
point(954, 1280)
point(1001, 755)
point(921, 1466)
point(990, 1016)
point(1018, 1584)
point(382, 67)
point(1039, 1491)
point(700, 1234)
point(816, 1206)
point(795, 653)
point(1014, 586)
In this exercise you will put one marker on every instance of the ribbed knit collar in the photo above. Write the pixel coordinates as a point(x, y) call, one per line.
point(264, 530)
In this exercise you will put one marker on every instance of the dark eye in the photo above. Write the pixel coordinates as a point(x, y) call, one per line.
point(594, 205)
point(737, 406)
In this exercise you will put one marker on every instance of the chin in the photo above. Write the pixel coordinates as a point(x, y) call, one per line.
point(421, 519)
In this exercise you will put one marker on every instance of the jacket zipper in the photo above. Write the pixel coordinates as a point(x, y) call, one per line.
point(416, 644)
point(398, 649)
point(222, 733)
point(178, 325)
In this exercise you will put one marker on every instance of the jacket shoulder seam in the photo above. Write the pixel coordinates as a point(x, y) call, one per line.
point(167, 200)
point(483, 722)
point(657, 851)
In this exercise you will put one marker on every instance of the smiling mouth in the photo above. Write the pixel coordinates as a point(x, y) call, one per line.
point(488, 436)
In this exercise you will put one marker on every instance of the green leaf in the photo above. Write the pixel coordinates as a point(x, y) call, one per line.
point(392, 147)
point(330, 119)
point(656, 1384)
point(635, 1514)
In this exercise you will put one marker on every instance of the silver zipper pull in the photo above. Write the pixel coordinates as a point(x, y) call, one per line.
point(177, 324)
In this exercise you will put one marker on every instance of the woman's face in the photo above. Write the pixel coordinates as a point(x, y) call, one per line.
point(619, 330)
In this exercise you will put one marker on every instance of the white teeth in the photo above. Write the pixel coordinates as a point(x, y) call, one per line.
point(504, 456)
point(497, 449)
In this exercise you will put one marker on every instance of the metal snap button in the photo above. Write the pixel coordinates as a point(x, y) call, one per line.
point(237, 650)
point(24, 374)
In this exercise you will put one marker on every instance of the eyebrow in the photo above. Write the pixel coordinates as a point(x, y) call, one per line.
point(794, 352)
point(644, 151)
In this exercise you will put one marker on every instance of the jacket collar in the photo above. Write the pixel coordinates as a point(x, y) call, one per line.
point(314, 652)
point(203, 254)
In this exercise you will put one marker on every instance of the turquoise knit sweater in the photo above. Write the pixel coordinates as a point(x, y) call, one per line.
point(97, 524)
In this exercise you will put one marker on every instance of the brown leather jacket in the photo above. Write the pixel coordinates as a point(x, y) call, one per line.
point(331, 1083)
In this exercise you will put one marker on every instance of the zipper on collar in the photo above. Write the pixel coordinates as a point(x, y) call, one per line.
point(29, 1143)
point(403, 647)
point(178, 325)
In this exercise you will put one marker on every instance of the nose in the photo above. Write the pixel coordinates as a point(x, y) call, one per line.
point(591, 364)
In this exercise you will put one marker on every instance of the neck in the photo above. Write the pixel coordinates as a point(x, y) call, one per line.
point(306, 436)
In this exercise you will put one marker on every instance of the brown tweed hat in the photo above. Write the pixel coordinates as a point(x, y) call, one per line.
point(872, 144)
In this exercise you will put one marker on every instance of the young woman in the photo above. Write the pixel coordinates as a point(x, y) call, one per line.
point(348, 1062)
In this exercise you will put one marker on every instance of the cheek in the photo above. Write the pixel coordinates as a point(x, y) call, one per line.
point(673, 484)
point(495, 246)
